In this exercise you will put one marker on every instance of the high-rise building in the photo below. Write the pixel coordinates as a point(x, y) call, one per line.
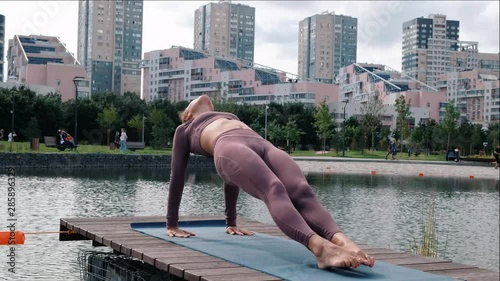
point(428, 44)
point(110, 44)
point(2, 43)
point(44, 64)
point(225, 28)
point(327, 42)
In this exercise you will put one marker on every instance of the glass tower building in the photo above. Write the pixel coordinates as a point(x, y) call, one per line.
point(428, 44)
point(327, 42)
point(110, 44)
point(225, 29)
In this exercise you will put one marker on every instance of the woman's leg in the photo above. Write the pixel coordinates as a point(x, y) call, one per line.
point(237, 164)
point(300, 192)
point(306, 202)
point(240, 166)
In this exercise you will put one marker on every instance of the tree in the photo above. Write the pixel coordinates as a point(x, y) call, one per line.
point(450, 121)
point(274, 132)
point(136, 123)
point(156, 116)
point(323, 123)
point(292, 133)
point(33, 130)
point(493, 134)
point(108, 118)
point(372, 116)
point(404, 113)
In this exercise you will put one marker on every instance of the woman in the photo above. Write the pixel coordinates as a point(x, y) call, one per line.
point(123, 140)
point(243, 159)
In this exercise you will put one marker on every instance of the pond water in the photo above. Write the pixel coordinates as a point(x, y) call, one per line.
point(384, 211)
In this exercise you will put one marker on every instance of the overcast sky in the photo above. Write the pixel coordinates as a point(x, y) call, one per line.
point(168, 23)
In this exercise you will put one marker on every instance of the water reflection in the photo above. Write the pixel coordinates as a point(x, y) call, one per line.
point(384, 211)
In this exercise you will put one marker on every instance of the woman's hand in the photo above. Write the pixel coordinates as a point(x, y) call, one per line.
point(234, 230)
point(177, 232)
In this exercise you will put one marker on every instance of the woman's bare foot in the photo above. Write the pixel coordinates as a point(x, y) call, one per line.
point(341, 240)
point(331, 255)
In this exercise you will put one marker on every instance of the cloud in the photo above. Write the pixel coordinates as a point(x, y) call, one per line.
point(168, 23)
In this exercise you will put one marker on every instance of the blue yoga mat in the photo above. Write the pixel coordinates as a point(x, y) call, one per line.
point(285, 259)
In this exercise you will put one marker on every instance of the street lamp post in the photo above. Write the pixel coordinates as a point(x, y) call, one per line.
point(143, 118)
point(265, 124)
point(12, 112)
point(343, 134)
point(75, 81)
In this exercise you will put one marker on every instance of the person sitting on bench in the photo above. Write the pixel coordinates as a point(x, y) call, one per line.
point(66, 140)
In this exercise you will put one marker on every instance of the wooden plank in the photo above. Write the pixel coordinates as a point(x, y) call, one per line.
point(477, 271)
point(428, 267)
point(246, 277)
point(117, 244)
point(163, 263)
point(107, 219)
point(181, 253)
point(413, 260)
point(390, 256)
point(197, 274)
point(106, 239)
point(160, 246)
point(177, 269)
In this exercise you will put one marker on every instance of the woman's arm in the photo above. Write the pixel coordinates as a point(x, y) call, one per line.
point(180, 156)
point(231, 198)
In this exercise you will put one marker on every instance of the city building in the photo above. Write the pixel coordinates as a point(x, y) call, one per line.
point(2, 45)
point(427, 46)
point(476, 94)
point(327, 42)
point(110, 44)
point(179, 73)
point(225, 28)
point(388, 113)
point(43, 63)
point(358, 82)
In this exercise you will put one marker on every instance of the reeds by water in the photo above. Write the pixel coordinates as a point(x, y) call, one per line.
point(428, 247)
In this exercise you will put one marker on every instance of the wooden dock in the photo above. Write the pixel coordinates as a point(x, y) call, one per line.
point(185, 264)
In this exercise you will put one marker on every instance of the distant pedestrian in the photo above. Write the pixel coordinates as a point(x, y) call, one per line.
point(11, 136)
point(388, 150)
point(123, 140)
point(1, 134)
point(117, 139)
point(393, 150)
point(457, 154)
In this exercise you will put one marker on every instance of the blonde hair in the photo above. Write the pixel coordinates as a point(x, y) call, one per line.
point(182, 115)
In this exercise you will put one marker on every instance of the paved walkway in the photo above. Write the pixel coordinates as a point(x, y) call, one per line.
point(336, 165)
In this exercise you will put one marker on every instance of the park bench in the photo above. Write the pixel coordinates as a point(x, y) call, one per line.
point(135, 145)
point(52, 142)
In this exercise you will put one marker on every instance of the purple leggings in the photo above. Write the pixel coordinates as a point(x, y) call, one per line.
point(245, 160)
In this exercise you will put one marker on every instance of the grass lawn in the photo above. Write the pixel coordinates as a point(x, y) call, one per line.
point(369, 154)
point(25, 147)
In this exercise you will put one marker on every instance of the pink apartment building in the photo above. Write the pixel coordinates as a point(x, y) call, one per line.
point(475, 92)
point(183, 74)
point(38, 61)
point(360, 81)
